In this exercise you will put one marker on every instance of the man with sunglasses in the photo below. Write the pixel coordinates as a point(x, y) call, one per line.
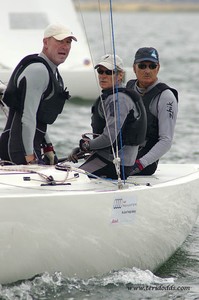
point(118, 118)
point(161, 104)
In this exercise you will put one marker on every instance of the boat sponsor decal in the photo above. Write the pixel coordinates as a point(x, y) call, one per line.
point(123, 210)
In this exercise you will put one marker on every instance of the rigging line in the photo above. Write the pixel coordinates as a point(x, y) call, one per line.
point(117, 101)
point(115, 153)
point(95, 73)
point(102, 28)
point(88, 43)
point(102, 103)
point(116, 159)
point(101, 100)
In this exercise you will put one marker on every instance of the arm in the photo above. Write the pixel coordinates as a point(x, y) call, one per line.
point(47, 139)
point(167, 115)
point(37, 78)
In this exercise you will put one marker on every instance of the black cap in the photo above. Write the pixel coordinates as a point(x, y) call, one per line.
point(146, 54)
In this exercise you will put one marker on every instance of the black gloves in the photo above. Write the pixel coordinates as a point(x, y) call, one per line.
point(137, 167)
point(73, 156)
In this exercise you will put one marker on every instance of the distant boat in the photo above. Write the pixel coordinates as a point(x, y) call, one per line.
point(22, 25)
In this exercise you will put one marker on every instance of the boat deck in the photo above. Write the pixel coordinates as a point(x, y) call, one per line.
point(165, 173)
point(47, 179)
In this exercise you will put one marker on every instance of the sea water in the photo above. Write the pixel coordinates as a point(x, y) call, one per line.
point(175, 35)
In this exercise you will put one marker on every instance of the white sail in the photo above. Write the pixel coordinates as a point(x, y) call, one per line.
point(22, 25)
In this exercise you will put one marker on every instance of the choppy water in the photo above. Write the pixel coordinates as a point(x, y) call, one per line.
point(176, 38)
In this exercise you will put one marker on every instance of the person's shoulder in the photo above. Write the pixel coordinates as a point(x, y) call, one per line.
point(127, 99)
point(130, 94)
point(37, 68)
point(131, 83)
point(166, 98)
point(166, 90)
point(169, 92)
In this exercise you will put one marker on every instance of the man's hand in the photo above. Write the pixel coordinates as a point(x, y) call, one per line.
point(32, 160)
point(84, 144)
point(50, 157)
point(29, 158)
point(137, 167)
point(73, 156)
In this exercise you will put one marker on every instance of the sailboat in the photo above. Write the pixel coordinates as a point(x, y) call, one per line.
point(57, 218)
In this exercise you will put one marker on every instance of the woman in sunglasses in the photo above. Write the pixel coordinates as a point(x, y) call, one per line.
point(161, 104)
point(118, 123)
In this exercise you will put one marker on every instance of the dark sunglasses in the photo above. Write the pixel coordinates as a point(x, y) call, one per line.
point(107, 72)
point(151, 66)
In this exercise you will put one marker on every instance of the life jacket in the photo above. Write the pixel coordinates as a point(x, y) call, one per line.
point(133, 129)
point(53, 99)
point(152, 133)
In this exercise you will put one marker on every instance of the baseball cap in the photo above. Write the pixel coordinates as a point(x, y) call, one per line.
point(146, 54)
point(111, 62)
point(59, 32)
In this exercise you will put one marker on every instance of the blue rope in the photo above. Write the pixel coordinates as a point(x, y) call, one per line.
point(117, 102)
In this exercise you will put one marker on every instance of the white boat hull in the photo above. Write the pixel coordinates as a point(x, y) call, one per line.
point(87, 87)
point(68, 228)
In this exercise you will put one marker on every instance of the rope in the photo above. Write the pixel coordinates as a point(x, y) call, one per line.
point(64, 166)
point(92, 59)
point(90, 52)
point(102, 28)
point(116, 158)
point(49, 179)
point(117, 106)
point(27, 169)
